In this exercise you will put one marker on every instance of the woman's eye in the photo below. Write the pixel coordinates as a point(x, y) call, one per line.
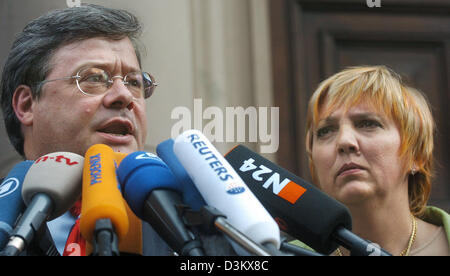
point(368, 124)
point(321, 132)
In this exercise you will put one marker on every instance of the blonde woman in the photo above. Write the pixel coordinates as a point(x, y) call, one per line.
point(370, 142)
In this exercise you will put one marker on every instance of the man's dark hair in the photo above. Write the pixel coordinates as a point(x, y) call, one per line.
point(28, 62)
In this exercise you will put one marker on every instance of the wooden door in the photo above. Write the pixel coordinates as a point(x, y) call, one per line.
point(313, 39)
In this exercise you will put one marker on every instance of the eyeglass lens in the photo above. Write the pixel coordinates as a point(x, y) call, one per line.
point(96, 81)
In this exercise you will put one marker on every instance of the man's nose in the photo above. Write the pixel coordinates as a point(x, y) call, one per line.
point(118, 96)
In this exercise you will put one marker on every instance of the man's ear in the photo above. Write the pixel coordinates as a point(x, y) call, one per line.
point(22, 103)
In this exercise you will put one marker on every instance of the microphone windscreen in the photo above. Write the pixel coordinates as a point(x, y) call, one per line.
point(300, 209)
point(118, 157)
point(191, 196)
point(101, 197)
point(132, 242)
point(11, 202)
point(222, 188)
point(139, 174)
point(57, 175)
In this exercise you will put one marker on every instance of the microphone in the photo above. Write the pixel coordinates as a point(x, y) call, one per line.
point(50, 188)
point(103, 220)
point(201, 215)
point(132, 242)
point(190, 194)
point(223, 189)
point(11, 202)
point(300, 209)
point(153, 193)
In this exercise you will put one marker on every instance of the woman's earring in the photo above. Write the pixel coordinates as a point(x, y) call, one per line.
point(413, 170)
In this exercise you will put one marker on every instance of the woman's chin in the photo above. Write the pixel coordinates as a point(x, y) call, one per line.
point(354, 192)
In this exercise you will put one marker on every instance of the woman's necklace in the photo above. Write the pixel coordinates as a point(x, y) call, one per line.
point(412, 238)
point(405, 252)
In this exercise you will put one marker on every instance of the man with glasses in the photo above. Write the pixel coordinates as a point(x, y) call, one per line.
point(73, 79)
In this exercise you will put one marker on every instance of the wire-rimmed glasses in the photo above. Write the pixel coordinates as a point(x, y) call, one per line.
point(93, 81)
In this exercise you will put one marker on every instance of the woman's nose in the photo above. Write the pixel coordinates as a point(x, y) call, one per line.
point(347, 141)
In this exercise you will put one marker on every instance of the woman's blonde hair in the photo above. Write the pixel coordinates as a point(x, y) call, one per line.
point(406, 106)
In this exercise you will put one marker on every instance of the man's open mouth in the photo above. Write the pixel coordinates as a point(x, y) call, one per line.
point(117, 128)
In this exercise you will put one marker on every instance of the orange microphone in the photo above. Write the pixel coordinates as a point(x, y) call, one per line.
point(132, 242)
point(104, 219)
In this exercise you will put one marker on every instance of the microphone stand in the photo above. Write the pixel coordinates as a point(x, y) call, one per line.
point(214, 219)
point(237, 236)
point(357, 245)
point(105, 239)
point(297, 250)
point(34, 217)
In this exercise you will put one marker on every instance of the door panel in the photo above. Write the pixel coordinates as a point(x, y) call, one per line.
point(312, 40)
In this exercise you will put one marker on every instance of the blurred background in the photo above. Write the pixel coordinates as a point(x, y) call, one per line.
point(271, 53)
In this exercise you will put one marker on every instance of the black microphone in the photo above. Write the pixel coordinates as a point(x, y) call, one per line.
point(154, 195)
point(299, 208)
point(210, 220)
point(207, 219)
point(51, 186)
point(223, 189)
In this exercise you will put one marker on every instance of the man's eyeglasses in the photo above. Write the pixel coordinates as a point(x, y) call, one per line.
point(96, 81)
